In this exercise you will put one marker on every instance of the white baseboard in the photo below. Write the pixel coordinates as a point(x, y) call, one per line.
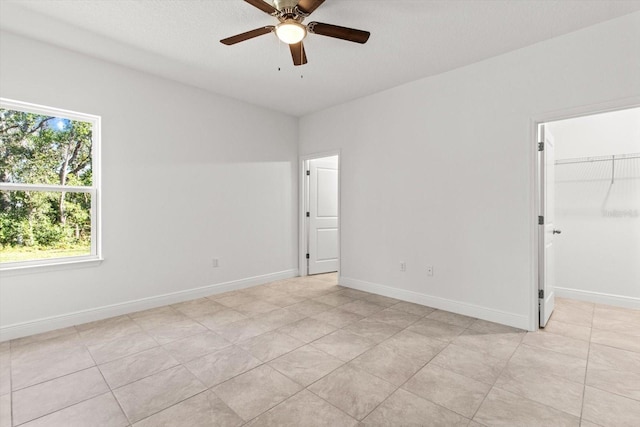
point(491, 315)
point(18, 330)
point(598, 297)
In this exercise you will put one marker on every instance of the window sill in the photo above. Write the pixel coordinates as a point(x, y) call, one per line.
point(49, 266)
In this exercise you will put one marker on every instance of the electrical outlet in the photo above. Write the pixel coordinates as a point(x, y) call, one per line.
point(429, 270)
point(403, 266)
point(214, 262)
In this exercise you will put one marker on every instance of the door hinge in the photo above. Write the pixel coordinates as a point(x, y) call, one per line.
point(540, 220)
point(307, 256)
point(307, 214)
point(541, 293)
point(540, 146)
point(308, 173)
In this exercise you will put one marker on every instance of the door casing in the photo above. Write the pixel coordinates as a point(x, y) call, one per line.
point(303, 234)
point(587, 110)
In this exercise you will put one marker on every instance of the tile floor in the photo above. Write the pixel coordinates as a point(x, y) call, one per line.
point(306, 352)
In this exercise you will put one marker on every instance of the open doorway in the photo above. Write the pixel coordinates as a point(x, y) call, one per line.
point(589, 210)
point(319, 219)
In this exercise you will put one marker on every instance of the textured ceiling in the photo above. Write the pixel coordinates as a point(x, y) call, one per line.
point(410, 39)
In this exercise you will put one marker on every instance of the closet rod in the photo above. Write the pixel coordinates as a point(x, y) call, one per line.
point(598, 159)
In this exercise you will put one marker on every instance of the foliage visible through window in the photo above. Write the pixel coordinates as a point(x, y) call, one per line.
point(47, 191)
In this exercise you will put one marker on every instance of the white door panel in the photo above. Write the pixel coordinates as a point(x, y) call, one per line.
point(323, 215)
point(547, 203)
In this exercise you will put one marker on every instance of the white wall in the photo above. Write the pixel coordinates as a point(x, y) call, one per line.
point(440, 171)
point(598, 251)
point(184, 175)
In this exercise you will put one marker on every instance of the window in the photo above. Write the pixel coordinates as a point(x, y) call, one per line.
point(49, 186)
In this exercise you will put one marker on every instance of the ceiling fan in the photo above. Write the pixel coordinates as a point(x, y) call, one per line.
point(292, 31)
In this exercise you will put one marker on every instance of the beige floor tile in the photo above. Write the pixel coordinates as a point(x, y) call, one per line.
point(610, 410)
point(553, 363)
point(278, 318)
point(409, 307)
point(486, 327)
point(361, 307)
point(256, 391)
point(284, 300)
point(215, 320)
point(5, 410)
point(334, 299)
point(121, 347)
point(202, 410)
point(307, 330)
point(558, 343)
point(195, 346)
point(470, 363)
point(550, 390)
point(397, 318)
point(262, 292)
point(19, 342)
point(241, 330)
point(387, 363)
point(137, 366)
point(500, 345)
point(352, 293)
point(101, 411)
point(416, 346)
point(338, 317)
point(435, 329)
point(304, 409)
point(381, 300)
point(614, 358)
point(306, 364)
point(343, 344)
point(619, 320)
point(256, 308)
point(501, 408)
point(310, 307)
point(198, 307)
point(406, 409)
point(44, 398)
point(236, 300)
point(176, 330)
point(42, 348)
point(624, 383)
point(568, 330)
point(152, 394)
point(453, 391)
point(354, 391)
point(616, 339)
point(36, 368)
point(574, 314)
point(5, 372)
point(217, 367)
point(157, 317)
point(372, 330)
point(451, 318)
point(108, 329)
point(270, 345)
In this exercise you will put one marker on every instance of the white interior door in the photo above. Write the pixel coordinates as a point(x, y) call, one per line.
point(323, 215)
point(547, 278)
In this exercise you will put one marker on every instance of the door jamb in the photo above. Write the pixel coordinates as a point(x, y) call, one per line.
point(302, 218)
point(587, 110)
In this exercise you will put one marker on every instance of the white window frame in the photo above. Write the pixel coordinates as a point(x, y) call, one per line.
point(93, 190)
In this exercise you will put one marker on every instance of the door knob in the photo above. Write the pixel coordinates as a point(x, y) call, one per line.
point(557, 231)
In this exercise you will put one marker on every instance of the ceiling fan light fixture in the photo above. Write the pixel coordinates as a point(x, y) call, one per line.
point(291, 32)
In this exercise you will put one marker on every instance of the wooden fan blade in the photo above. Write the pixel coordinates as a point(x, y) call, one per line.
point(265, 7)
point(308, 6)
point(298, 54)
point(248, 35)
point(337, 32)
